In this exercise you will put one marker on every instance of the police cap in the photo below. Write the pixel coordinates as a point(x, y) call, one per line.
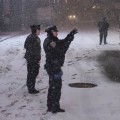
point(51, 29)
point(35, 27)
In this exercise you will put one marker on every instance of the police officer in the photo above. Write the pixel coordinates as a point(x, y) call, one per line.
point(33, 57)
point(103, 29)
point(55, 50)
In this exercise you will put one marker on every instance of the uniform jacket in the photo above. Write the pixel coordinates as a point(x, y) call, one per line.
point(103, 26)
point(33, 48)
point(55, 56)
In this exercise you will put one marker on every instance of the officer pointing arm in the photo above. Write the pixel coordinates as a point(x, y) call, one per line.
point(55, 50)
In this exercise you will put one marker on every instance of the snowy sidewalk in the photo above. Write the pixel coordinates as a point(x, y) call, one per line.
point(8, 35)
point(81, 65)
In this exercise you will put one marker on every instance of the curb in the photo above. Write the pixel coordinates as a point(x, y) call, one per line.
point(1, 40)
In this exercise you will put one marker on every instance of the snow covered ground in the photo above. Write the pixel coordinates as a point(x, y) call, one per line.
point(81, 65)
point(7, 35)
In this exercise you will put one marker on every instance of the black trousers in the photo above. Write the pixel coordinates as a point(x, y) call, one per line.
point(33, 71)
point(103, 35)
point(54, 91)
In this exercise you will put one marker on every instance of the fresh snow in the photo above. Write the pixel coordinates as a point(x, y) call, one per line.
point(81, 65)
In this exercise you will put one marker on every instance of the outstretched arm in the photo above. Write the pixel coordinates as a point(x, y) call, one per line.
point(70, 36)
point(67, 41)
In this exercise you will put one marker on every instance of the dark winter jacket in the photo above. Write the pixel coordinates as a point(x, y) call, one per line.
point(103, 26)
point(33, 48)
point(55, 56)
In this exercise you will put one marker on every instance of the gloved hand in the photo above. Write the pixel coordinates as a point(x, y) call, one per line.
point(70, 36)
point(74, 31)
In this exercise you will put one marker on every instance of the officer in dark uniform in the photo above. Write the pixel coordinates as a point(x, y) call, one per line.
point(33, 57)
point(55, 50)
point(103, 29)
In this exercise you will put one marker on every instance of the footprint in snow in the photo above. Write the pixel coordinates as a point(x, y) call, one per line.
point(70, 61)
point(9, 95)
point(88, 72)
point(29, 100)
point(85, 56)
point(41, 102)
point(22, 107)
point(12, 103)
point(74, 74)
point(2, 92)
point(20, 116)
point(79, 59)
point(91, 70)
point(3, 111)
point(70, 64)
point(7, 114)
point(46, 115)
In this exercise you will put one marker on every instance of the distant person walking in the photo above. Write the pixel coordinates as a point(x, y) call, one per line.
point(33, 57)
point(103, 26)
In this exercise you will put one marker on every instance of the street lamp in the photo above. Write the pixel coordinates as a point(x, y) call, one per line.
point(94, 7)
point(72, 17)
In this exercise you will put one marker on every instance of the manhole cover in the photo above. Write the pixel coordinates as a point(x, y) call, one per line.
point(82, 85)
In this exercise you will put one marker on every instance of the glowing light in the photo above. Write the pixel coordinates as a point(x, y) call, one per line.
point(94, 7)
point(70, 16)
point(74, 16)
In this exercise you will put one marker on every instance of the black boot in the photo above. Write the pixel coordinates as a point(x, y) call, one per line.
point(58, 110)
point(33, 91)
point(54, 111)
point(36, 90)
point(105, 43)
point(49, 110)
